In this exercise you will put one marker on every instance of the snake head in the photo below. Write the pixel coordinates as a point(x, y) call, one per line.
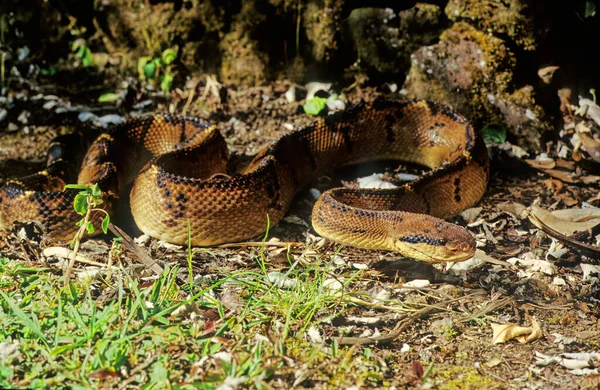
point(447, 243)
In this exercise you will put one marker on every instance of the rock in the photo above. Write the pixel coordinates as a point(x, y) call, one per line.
point(472, 72)
point(383, 40)
point(321, 23)
point(513, 18)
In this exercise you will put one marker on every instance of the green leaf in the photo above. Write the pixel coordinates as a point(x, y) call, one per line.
point(78, 44)
point(167, 82)
point(80, 204)
point(590, 9)
point(81, 51)
point(493, 134)
point(90, 228)
point(315, 105)
point(32, 326)
point(161, 320)
point(169, 56)
point(105, 223)
point(6, 372)
point(88, 58)
point(77, 187)
point(108, 98)
point(150, 70)
point(142, 61)
point(96, 192)
point(51, 71)
point(159, 373)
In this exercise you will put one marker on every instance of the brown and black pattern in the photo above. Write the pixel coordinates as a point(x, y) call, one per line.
point(179, 169)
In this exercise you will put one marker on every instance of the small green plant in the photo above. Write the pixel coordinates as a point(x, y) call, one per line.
point(83, 52)
point(109, 97)
point(315, 105)
point(493, 134)
point(590, 9)
point(158, 70)
point(85, 203)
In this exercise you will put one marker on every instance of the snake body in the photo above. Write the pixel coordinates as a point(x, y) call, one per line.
point(180, 170)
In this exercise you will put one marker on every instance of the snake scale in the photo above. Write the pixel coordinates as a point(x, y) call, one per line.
point(179, 168)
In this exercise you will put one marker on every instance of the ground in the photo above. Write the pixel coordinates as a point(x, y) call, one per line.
point(292, 309)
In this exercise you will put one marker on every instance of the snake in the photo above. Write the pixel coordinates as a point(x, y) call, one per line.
point(184, 184)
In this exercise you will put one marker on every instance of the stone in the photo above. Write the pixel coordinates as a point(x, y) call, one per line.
point(511, 18)
point(471, 71)
point(383, 40)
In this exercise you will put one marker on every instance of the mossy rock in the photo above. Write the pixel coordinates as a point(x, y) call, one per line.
point(383, 40)
point(472, 72)
point(321, 20)
point(512, 18)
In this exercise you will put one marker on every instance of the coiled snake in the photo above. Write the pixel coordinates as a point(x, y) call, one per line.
point(179, 168)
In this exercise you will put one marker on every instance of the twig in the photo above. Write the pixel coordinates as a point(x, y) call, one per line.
point(141, 254)
point(388, 337)
point(400, 327)
point(138, 368)
point(260, 244)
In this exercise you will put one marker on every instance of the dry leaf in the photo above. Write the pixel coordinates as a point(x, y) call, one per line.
point(547, 72)
point(503, 333)
point(470, 214)
point(591, 146)
point(590, 108)
point(590, 179)
point(515, 209)
point(564, 176)
point(374, 181)
point(541, 162)
point(566, 164)
point(531, 263)
point(567, 221)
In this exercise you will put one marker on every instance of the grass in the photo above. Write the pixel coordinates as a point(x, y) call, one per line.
point(140, 334)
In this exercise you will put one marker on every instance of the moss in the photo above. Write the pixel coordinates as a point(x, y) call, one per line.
point(472, 71)
point(422, 17)
point(242, 61)
point(459, 377)
point(320, 20)
point(475, 79)
point(494, 77)
point(498, 59)
point(135, 29)
point(511, 18)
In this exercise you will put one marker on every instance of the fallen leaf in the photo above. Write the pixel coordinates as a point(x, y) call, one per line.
point(570, 240)
point(589, 179)
point(590, 108)
point(571, 361)
point(515, 209)
point(374, 181)
point(564, 176)
point(547, 72)
point(568, 221)
point(506, 332)
point(470, 214)
point(591, 146)
point(533, 264)
point(541, 162)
